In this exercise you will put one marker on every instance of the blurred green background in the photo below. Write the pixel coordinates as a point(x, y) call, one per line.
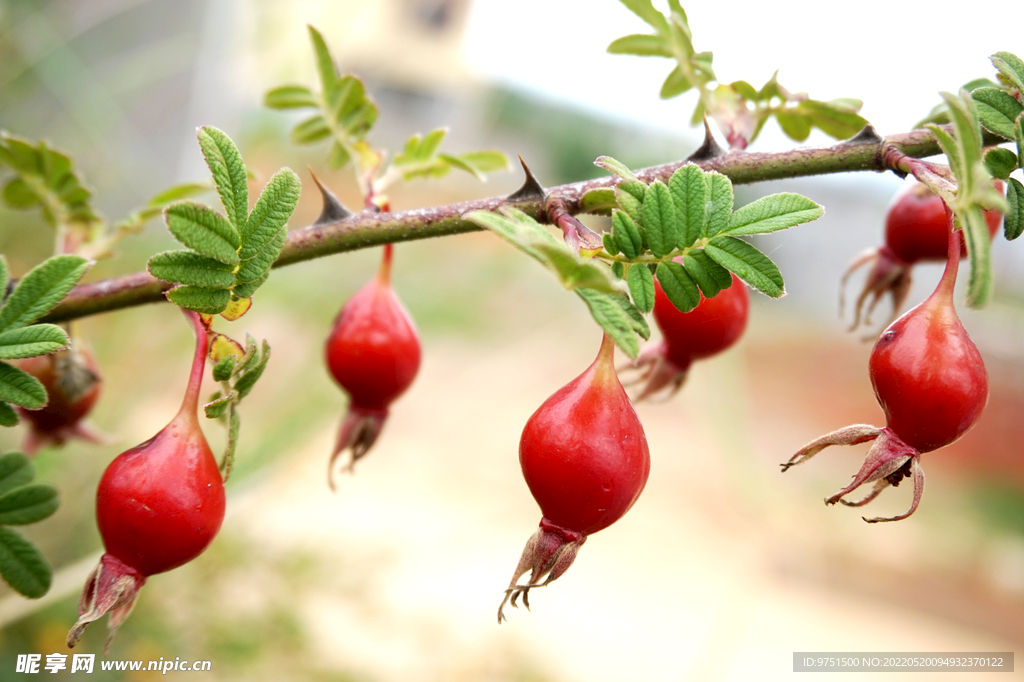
point(721, 571)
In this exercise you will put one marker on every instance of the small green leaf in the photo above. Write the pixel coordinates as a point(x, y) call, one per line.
point(203, 230)
point(690, 194)
point(629, 194)
point(795, 125)
point(678, 286)
point(324, 64)
point(1000, 162)
point(660, 220)
point(967, 136)
point(21, 388)
point(642, 45)
point(219, 405)
point(485, 160)
point(1013, 224)
point(949, 148)
point(224, 367)
point(43, 287)
point(626, 234)
point(28, 342)
point(997, 110)
point(614, 166)
point(16, 470)
point(8, 417)
point(1011, 67)
point(200, 299)
point(253, 372)
point(185, 190)
point(188, 267)
point(228, 170)
point(600, 200)
point(979, 247)
point(247, 289)
point(5, 277)
point(18, 195)
point(259, 265)
point(28, 504)
point(745, 89)
point(274, 207)
point(290, 97)
point(772, 213)
point(719, 206)
point(339, 156)
point(709, 275)
point(641, 287)
point(676, 83)
point(645, 10)
point(608, 241)
point(618, 318)
point(833, 118)
point(22, 566)
point(749, 264)
point(310, 131)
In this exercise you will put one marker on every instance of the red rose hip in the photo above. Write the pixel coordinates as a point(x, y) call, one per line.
point(585, 459)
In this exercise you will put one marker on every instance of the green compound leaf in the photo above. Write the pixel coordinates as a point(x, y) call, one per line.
point(1011, 68)
point(997, 110)
point(1000, 162)
point(529, 236)
point(16, 470)
point(200, 299)
point(719, 207)
point(229, 174)
point(28, 504)
point(660, 219)
point(709, 275)
point(8, 417)
point(41, 289)
point(274, 207)
point(772, 213)
point(203, 230)
point(749, 264)
point(619, 318)
point(23, 566)
point(641, 287)
point(642, 45)
point(678, 286)
point(188, 267)
point(290, 97)
point(690, 194)
point(626, 234)
point(1013, 224)
point(28, 342)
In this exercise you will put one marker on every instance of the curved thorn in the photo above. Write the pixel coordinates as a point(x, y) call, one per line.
point(531, 190)
point(333, 210)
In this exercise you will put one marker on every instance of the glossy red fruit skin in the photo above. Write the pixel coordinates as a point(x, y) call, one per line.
point(710, 328)
point(584, 454)
point(929, 377)
point(373, 350)
point(161, 503)
point(915, 225)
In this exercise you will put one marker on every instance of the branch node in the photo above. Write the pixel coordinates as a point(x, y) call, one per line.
point(531, 190)
point(333, 211)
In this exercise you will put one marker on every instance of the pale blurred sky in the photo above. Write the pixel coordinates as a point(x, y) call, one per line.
point(895, 56)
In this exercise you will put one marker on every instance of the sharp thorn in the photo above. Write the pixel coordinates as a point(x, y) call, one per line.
point(709, 149)
point(531, 190)
point(333, 210)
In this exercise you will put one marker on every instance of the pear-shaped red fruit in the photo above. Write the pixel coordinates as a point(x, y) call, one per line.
point(158, 506)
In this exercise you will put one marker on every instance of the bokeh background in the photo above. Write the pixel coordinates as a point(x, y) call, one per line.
point(723, 568)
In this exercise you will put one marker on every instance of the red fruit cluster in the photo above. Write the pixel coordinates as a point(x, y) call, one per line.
point(710, 328)
point(931, 383)
point(585, 459)
point(158, 506)
point(915, 231)
point(73, 384)
point(373, 352)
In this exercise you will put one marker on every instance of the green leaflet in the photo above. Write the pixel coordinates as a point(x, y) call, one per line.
point(41, 289)
point(626, 234)
point(618, 318)
point(16, 470)
point(273, 208)
point(22, 566)
point(200, 299)
point(203, 230)
point(28, 342)
point(8, 417)
point(290, 97)
point(690, 194)
point(28, 504)
point(641, 287)
point(188, 267)
point(997, 110)
point(749, 264)
point(720, 196)
point(708, 275)
point(229, 175)
point(775, 212)
point(660, 220)
point(642, 45)
point(21, 388)
point(1000, 162)
point(1013, 224)
point(678, 286)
